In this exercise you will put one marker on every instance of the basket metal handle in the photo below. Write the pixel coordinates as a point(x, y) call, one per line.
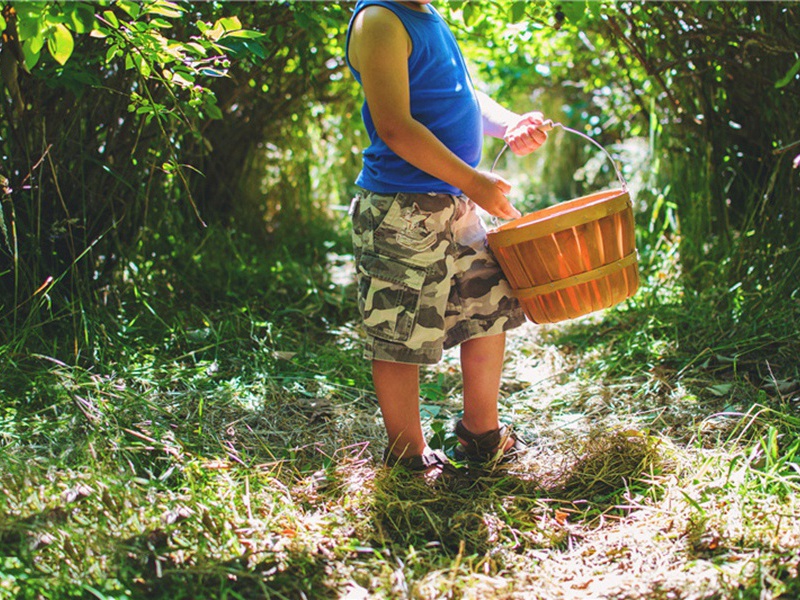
point(549, 125)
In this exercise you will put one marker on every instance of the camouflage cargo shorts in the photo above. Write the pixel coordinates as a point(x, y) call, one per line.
point(426, 277)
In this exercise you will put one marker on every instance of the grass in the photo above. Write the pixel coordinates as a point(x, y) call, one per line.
point(223, 443)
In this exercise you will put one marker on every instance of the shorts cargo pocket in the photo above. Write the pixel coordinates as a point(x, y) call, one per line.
point(389, 294)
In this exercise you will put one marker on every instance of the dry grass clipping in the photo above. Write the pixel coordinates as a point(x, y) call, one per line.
point(608, 461)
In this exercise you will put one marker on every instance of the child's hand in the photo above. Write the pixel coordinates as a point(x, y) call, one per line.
point(488, 190)
point(524, 136)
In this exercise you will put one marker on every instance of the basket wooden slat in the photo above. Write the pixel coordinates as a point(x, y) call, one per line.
point(570, 259)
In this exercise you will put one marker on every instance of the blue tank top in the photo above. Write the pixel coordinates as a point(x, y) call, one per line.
point(442, 99)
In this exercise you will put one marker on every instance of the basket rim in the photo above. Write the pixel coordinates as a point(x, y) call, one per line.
point(565, 215)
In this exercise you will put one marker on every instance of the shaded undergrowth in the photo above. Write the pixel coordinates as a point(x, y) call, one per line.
point(221, 441)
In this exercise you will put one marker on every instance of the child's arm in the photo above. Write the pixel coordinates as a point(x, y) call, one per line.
point(520, 132)
point(379, 50)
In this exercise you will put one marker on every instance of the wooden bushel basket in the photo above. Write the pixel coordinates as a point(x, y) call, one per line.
point(573, 258)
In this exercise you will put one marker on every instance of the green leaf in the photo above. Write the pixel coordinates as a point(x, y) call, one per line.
point(54, 15)
point(574, 11)
point(183, 79)
point(211, 109)
point(112, 53)
point(2, 23)
point(30, 55)
point(469, 13)
point(165, 9)
point(517, 12)
point(256, 48)
point(230, 27)
point(229, 23)
point(239, 47)
point(99, 32)
point(161, 23)
point(199, 49)
point(214, 33)
point(720, 390)
point(131, 8)
point(141, 64)
point(28, 26)
point(111, 18)
point(694, 503)
point(790, 74)
point(80, 17)
point(247, 34)
point(36, 44)
point(60, 44)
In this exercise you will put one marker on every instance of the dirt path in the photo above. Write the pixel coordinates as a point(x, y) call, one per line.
point(660, 534)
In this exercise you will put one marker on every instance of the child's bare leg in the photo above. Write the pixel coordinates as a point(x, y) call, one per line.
point(481, 367)
point(397, 388)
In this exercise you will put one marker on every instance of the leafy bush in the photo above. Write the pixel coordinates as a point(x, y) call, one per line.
point(131, 122)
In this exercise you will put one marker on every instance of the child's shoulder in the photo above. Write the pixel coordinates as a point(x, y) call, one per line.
point(375, 28)
point(376, 15)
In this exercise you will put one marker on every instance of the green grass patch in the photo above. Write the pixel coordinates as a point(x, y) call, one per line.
point(222, 441)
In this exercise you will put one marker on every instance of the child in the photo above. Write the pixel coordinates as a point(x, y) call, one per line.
point(425, 276)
